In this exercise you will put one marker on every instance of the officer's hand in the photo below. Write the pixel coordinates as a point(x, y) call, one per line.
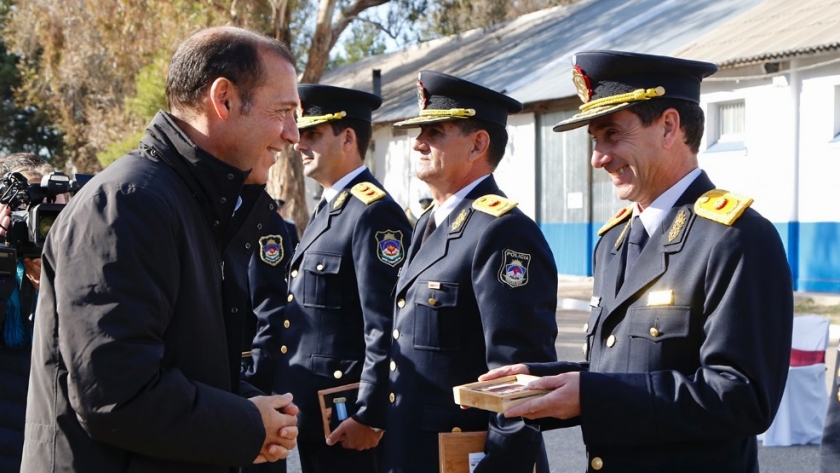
point(563, 402)
point(32, 269)
point(279, 417)
point(354, 435)
point(504, 371)
point(5, 219)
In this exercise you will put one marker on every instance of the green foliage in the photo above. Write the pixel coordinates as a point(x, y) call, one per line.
point(119, 149)
point(24, 128)
point(150, 93)
point(366, 39)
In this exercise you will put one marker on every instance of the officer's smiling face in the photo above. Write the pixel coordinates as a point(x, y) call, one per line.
point(444, 154)
point(320, 149)
point(632, 154)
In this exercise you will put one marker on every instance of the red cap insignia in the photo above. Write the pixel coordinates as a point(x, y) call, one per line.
point(582, 84)
point(422, 98)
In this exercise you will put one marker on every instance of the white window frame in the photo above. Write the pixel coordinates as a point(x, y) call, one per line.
point(724, 142)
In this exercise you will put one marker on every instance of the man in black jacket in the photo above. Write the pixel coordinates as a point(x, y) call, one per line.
point(688, 341)
point(132, 365)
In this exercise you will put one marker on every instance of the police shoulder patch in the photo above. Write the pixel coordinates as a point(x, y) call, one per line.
point(271, 249)
point(494, 205)
point(619, 217)
point(722, 206)
point(389, 247)
point(367, 192)
point(514, 270)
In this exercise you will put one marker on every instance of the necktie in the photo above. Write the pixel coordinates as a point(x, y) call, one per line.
point(635, 243)
point(430, 227)
point(320, 207)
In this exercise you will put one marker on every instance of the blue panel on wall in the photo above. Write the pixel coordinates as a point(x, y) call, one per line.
point(819, 257)
point(571, 244)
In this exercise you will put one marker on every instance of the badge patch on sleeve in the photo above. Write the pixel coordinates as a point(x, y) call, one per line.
point(389, 247)
point(514, 270)
point(271, 249)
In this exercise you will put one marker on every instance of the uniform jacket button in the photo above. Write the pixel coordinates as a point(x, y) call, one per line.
point(294, 273)
point(654, 332)
point(392, 397)
point(586, 327)
point(286, 324)
point(283, 349)
point(597, 463)
point(432, 301)
point(401, 303)
point(290, 298)
point(338, 374)
point(320, 267)
point(396, 334)
point(393, 366)
point(611, 341)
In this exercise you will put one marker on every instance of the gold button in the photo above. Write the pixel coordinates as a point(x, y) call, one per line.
point(286, 323)
point(393, 366)
point(320, 267)
point(586, 327)
point(338, 374)
point(597, 463)
point(654, 332)
point(432, 301)
point(392, 397)
point(283, 349)
point(294, 273)
point(611, 341)
point(290, 298)
point(396, 334)
point(401, 303)
point(456, 429)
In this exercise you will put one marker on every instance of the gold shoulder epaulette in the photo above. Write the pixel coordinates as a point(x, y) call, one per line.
point(367, 192)
point(617, 218)
point(494, 205)
point(721, 206)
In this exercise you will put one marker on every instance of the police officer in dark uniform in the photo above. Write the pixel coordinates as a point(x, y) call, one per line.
point(337, 323)
point(478, 291)
point(830, 446)
point(689, 334)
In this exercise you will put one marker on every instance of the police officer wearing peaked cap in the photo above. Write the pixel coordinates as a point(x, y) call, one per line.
point(688, 339)
point(337, 323)
point(478, 290)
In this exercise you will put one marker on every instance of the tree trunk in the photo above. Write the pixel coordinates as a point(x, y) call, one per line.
point(286, 181)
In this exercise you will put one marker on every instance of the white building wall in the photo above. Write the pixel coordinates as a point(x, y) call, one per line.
point(819, 151)
point(516, 173)
point(763, 167)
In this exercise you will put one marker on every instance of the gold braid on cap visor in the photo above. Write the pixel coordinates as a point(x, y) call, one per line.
point(306, 121)
point(635, 96)
point(452, 112)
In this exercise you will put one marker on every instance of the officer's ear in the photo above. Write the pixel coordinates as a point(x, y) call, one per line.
point(670, 123)
point(348, 139)
point(480, 144)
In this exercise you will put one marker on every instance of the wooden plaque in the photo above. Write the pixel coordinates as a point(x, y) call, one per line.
point(325, 397)
point(497, 395)
point(455, 449)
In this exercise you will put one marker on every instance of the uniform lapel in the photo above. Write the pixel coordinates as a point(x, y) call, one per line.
point(437, 246)
point(652, 262)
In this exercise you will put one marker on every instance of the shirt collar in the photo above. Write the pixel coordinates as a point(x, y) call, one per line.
point(331, 192)
point(655, 213)
point(443, 211)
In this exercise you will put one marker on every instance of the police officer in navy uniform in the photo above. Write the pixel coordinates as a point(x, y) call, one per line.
point(337, 323)
point(830, 446)
point(478, 291)
point(688, 339)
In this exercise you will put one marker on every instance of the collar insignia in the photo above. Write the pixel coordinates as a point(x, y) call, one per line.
point(339, 201)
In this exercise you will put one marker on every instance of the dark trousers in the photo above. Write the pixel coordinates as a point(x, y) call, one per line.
point(318, 457)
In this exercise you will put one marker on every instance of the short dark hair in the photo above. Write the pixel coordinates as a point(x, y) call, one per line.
point(16, 161)
point(232, 53)
point(498, 137)
point(362, 128)
point(692, 119)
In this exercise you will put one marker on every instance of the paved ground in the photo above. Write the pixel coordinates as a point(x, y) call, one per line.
point(565, 446)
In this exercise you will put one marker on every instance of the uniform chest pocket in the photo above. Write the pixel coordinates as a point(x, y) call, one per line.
point(659, 335)
point(321, 283)
point(436, 322)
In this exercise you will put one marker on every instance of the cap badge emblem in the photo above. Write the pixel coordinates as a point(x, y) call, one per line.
point(582, 84)
point(422, 97)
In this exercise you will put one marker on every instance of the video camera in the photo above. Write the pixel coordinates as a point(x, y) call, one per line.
point(33, 212)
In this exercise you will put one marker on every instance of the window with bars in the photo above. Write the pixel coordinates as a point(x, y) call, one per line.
point(726, 130)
